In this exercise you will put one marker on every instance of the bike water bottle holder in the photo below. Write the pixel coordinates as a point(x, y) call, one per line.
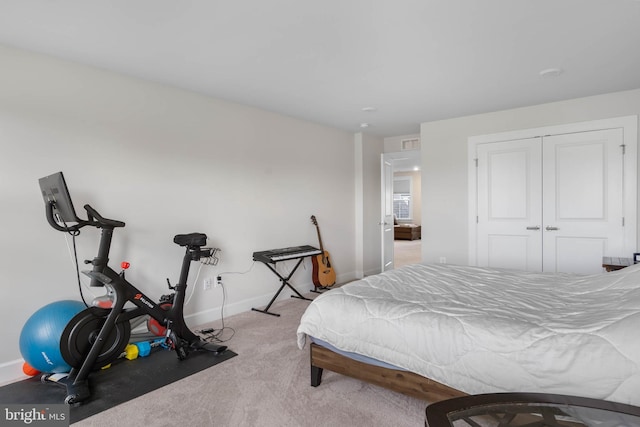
point(166, 299)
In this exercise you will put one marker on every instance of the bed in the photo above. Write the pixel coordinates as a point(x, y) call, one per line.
point(440, 331)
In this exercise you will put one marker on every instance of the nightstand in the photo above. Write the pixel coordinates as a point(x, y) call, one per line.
point(613, 264)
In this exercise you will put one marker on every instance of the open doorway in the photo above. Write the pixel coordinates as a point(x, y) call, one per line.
point(407, 207)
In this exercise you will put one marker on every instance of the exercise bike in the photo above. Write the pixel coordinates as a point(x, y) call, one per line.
point(96, 337)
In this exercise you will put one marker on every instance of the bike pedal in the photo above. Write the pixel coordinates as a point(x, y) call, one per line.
point(182, 353)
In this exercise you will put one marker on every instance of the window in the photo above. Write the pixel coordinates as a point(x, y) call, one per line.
point(402, 206)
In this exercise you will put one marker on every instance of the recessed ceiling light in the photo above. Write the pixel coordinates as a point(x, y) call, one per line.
point(369, 109)
point(364, 125)
point(550, 72)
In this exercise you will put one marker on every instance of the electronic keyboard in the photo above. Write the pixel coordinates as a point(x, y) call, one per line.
point(283, 254)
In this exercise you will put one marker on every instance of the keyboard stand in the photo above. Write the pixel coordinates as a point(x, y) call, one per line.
point(285, 282)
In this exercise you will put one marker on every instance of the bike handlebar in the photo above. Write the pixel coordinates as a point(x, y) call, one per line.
point(94, 220)
point(52, 221)
point(99, 221)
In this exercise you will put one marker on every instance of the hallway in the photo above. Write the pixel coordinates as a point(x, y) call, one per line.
point(406, 252)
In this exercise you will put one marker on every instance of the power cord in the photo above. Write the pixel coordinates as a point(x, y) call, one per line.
point(239, 272)
point(73, 235)
point(215, 335)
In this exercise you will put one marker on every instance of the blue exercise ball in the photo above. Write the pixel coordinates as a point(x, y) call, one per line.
point(40, 336)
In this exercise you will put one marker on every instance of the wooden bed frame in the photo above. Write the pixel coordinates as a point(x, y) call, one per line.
point(404, 382)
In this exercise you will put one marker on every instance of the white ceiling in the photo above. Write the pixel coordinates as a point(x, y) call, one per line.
point(412, 60)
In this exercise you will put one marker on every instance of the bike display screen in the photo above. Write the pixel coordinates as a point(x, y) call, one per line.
point(54, 191)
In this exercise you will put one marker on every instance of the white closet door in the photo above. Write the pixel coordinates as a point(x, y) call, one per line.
point(583, 200)
point(509, 192)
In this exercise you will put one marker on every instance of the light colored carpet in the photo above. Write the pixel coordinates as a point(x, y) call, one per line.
point(267, 384)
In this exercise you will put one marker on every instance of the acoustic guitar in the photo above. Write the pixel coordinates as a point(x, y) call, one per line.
point(323, 274)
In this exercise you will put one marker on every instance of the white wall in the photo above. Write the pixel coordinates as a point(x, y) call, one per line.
point(445, 163)
point(393, 144)
point(165, 161)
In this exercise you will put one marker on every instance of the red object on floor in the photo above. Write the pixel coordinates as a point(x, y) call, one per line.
point(29, 370)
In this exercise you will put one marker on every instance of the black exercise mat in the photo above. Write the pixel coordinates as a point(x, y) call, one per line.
point(124, 381)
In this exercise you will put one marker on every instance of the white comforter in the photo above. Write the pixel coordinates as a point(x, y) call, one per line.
point(483, 330)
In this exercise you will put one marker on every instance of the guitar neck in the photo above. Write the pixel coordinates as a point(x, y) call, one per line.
point(319, 238)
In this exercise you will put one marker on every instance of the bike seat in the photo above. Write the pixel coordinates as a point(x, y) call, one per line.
point(192, 239)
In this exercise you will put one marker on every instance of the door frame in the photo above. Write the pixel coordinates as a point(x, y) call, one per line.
point(629, 124)
point(401, 161)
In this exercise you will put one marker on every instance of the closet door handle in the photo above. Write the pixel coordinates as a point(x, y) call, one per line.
point(533, 227)
point(550, 228)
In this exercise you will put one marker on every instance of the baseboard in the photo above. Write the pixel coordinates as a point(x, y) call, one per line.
point(11, 372)
point(213, 314)
point(372, 272)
